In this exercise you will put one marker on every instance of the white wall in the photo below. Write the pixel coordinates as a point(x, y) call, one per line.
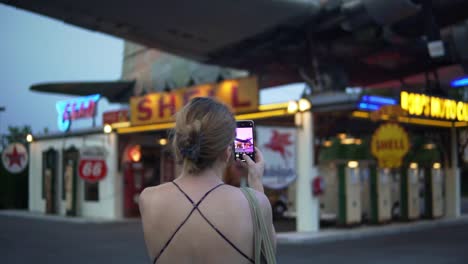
point(110, 188)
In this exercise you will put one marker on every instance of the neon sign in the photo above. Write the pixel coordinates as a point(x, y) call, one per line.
point(460, 82)
point(79, 108)
point(435, 107)
point(372, 103)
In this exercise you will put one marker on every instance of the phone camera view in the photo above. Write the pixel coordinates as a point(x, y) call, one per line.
point(243, 143)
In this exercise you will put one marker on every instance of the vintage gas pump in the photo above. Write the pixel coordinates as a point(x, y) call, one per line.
point(349, 193)
point(410, 188)
point(329, 199)
point(133, 181)
point(381, 198)
point(365, 190)
point(434, 185)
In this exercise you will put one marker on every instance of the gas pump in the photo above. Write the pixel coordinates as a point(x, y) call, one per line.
point(434, 200)
point(381, 195)
point(349, 193)
point(133, 181)
point(410, 188)
point(329, 199)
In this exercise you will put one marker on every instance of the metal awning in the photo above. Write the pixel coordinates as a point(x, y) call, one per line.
point(114, 91)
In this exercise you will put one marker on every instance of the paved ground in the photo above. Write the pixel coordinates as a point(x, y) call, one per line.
point(24, 240)
point(446, 245)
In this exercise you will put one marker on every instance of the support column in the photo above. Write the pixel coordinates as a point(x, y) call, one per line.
point(452, 180)
point(307, 206)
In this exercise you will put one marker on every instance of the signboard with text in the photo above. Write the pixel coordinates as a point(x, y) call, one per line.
point(111, 117)
point(389, 145)
point(241, 95)
point(74, 109)
point(434, 107)
point(92, 166)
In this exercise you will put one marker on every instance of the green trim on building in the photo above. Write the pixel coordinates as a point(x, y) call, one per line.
point(428, 206)
point(374, 194)
point(342, 216)
point(404, 193)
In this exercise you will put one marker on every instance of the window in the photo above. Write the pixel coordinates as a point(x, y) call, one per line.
point(91, 191)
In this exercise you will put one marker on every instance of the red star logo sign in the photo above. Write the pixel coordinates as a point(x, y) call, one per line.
point(14, 157)
point(278, 143)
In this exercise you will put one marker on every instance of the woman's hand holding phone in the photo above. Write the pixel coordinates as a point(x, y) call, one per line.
point(255, 170)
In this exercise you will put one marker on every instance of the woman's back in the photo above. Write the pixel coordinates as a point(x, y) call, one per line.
point(166, 211)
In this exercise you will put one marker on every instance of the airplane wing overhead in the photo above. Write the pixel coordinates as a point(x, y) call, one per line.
point(339, 42)
point(185, 27)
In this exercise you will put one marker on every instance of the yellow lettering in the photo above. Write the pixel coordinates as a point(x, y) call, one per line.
point(466, 112)
point(418, 104)
point(411, 100)
point(460, 111)
point(453, 109)
point(435, 107)
point(404, 100)
point(427, 106)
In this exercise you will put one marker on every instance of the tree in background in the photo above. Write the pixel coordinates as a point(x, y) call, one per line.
point(17, 134)
point(14, 187)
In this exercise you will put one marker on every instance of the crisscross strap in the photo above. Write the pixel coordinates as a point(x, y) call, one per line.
point(195, 207)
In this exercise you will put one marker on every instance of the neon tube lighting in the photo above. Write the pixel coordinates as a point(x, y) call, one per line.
point(460, 82)
point(366, 106)
point(379, 100)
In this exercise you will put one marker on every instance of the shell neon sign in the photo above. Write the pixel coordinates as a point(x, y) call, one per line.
point(389, 145)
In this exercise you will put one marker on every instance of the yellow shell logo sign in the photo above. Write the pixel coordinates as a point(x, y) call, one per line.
point(389, 145)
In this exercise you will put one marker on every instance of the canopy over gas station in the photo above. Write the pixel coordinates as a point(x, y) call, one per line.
point(333, 43)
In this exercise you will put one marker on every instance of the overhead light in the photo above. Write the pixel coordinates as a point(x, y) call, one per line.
point(107, 128)
point(429, 146)
point(342, 136)
point(304, 104)
point(29, 138)
point(436, 165)
point(292, 107)
point(353, 164)
point(162, 141)
point(413, 165)
point(327, 143)
point(347, 141)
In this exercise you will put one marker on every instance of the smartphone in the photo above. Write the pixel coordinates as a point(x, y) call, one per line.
point(244, 140)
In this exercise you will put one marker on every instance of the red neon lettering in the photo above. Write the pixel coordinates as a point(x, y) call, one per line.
point(163, 106)
point(235, 98)
point(389, 144)
point(90, 111)
point(144, 112)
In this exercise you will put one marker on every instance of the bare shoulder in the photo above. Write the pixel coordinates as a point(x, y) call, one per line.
point(150, 196)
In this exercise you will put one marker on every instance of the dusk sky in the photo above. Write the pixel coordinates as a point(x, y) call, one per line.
point(36, 49)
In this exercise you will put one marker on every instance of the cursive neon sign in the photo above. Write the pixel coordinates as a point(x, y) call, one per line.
point(79, 108)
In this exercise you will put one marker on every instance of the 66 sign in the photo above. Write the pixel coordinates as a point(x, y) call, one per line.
point(92, 170)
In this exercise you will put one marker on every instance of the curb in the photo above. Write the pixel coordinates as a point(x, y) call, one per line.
point(64, 219)
point(311, 238)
